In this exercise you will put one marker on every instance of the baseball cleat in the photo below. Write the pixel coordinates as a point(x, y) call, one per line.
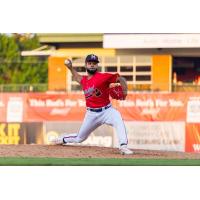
point(57, 140)
point(125, 151)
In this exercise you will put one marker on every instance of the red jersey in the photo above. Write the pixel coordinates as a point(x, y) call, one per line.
point(96, 89)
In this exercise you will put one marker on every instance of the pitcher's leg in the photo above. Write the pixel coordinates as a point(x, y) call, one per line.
point(89, 124)
point(114, 119)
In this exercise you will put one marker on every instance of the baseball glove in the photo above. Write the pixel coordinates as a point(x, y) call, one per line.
point(116, 92)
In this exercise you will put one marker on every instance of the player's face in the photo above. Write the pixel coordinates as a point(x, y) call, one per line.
point(91, 67)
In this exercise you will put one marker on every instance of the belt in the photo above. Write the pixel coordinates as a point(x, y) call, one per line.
point(99, 109)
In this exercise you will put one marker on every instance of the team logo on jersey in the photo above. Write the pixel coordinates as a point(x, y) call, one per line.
point(92, 91)
point(97, 92)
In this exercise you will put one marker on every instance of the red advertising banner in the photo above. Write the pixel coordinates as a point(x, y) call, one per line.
point(54, 107)
point(39, 107)
point(2, 108)
point(192, 143)
point(153, 107)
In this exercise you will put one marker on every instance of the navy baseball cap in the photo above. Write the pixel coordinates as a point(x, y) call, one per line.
point(92, 58)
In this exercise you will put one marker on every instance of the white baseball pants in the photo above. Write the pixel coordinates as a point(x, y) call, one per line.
point(93, 120)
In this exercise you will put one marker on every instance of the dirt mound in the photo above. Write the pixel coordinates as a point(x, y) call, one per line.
point(70, 151)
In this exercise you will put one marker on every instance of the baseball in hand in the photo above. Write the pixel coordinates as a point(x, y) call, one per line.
point(67, 62)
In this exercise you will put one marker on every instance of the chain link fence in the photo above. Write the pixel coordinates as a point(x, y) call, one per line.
point(24, 87)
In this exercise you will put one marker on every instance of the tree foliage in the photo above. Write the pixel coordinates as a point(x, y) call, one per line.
point(15, 68)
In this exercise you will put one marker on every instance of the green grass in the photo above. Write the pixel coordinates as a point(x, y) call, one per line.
point(9, 161)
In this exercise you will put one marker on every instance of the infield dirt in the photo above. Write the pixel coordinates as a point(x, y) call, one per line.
point(69, 151)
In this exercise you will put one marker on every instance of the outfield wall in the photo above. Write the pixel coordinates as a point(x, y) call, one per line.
point(156, 121)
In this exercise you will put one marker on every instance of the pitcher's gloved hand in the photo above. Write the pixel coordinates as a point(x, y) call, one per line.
point(116, 92)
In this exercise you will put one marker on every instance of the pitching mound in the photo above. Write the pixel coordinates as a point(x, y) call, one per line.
point(69, 151)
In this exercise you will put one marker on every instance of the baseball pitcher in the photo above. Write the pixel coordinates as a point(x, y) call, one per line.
point(97, 87)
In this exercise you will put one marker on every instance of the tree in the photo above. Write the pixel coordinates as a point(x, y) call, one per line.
point(18, 69)
point(9, 58)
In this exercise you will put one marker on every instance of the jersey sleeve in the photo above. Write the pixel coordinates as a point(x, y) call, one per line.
point(112, 78)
